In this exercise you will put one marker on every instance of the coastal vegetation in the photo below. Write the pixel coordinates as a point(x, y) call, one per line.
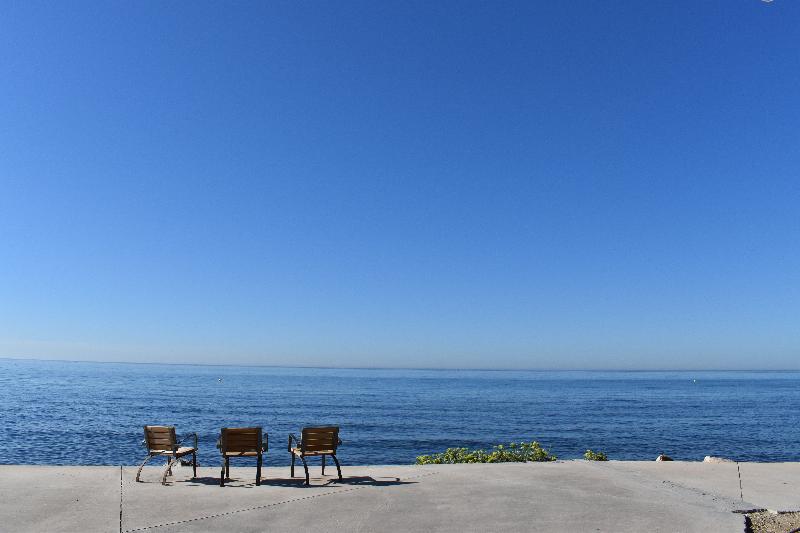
point(595, 456)
point(513, 453)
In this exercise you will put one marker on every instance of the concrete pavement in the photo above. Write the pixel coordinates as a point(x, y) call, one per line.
point(613, 496)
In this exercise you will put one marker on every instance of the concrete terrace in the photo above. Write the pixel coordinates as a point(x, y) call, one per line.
point(616, 496)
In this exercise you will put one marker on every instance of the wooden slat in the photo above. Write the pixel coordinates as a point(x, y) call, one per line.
point(160, 437)
point(318, 448)
point(319, 440)
point(170, 451)
point(240, 448)
point(318, 445)
point(241, 440)
point(245, 453)
point(241, 436)
point(331, 429)
point(241, 431)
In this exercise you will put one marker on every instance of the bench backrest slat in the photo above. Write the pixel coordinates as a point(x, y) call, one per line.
point(317, 439)
point(239, 440)
point(160, 437)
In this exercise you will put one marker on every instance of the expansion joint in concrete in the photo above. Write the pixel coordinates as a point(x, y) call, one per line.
point(259, 507)
point(120, 499)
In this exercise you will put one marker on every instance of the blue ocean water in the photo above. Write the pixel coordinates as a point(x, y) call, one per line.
point(92, 413)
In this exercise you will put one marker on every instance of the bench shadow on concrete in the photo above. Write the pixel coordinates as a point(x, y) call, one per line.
point(297, 482)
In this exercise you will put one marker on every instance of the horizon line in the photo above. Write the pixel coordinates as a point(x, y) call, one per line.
point(438, 369)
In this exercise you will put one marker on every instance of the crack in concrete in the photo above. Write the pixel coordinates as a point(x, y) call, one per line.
point(728, 504)
point(120, 499)
point(258, 507)
point(719, 501)
point(739, 472)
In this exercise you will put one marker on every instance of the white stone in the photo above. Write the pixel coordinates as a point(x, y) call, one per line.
point(712, 459)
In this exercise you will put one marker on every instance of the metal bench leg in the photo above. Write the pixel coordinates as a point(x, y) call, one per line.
point(305, 465)
point(258, 470)
point(138, 472)
point(222, 474)
point(323, 465)
point(194, 465)
point(292, 474)
point(228, 467)
point(338, 468)
point(167, 470)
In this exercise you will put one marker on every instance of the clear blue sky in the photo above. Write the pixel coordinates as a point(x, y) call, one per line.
point(424, 184)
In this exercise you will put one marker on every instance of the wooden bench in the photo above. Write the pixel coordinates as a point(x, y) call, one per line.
point(241, 442)
point(315, 442)
point(162, 441)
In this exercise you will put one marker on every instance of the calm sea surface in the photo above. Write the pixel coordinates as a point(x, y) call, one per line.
point(93, 413)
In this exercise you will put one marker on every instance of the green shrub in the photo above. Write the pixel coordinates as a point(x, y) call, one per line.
point(513, 453)
point(595, 456)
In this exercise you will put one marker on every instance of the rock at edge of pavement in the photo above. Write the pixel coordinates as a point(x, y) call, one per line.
point(712, 459)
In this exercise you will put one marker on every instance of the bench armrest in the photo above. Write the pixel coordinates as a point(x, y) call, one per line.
point(186, 437)
point(298, 443)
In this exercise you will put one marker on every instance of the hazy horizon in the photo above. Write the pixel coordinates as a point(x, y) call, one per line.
point(572, 185)
point(409, 368)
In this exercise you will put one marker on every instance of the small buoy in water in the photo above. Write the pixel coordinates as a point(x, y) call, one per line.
point(694, 381)
point(219, 379)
